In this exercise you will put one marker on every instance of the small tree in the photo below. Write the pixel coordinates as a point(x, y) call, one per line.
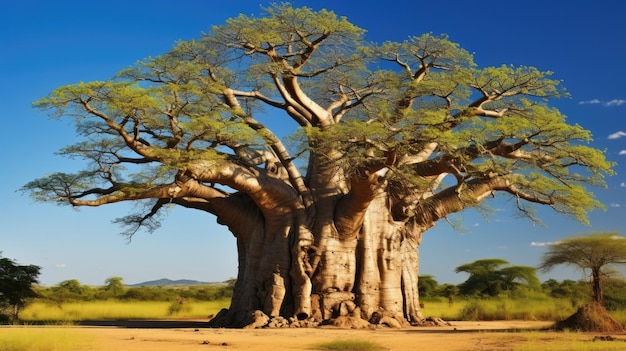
point(115, 285)
point(427, 285)
point(16, 285)
point(575, 291)
point(487, 278)
point(595, 252)
point(448, 291)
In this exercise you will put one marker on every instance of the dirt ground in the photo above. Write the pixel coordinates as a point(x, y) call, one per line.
point(189, 335)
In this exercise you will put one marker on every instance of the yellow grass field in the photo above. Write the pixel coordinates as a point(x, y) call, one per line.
point(98, 310)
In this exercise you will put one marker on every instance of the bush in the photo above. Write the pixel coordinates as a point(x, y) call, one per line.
point(144, 293)
point(472, 312)
point(177, 307)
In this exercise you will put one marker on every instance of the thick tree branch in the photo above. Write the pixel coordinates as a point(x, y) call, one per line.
point(450, 201)
point(277, 146)
point(351, 208)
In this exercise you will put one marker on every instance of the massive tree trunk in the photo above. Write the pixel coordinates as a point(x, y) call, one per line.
point(349, 260)
point(371, 276)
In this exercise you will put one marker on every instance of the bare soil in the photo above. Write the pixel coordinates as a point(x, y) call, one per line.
point(192, 335)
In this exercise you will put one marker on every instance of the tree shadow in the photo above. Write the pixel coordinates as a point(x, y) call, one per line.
point(145, 324)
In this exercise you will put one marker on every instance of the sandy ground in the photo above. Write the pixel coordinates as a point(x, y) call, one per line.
point(182, 336)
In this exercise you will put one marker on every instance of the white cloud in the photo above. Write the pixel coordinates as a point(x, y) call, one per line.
point(617, 135)
point(60, 265)
point(590, 102)
point(622, 184)
point(610, 103)
point(615, 102)
point(623, 152)
point(615, 204)
point(542, 243)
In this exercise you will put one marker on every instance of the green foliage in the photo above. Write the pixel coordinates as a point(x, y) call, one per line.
point(595, 252)
point(178, 306)
point(576, 291)
point(449, 291)
point(615, 294)
point(427, 286)
point(16, 286)
point(115, 286)
point(69, 290)
point(144, 293)
point(73, 290)
point(486, 278)
point(354, 103)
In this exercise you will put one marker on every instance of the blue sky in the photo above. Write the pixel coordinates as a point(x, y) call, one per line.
point(46, 44)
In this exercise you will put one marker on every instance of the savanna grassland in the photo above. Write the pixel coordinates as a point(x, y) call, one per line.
point(72, 317)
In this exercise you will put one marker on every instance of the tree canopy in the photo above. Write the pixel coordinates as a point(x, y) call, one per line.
point(488, 277)
point(320, 149)
point(595, 252)
point(421, 102)
point(16, 285)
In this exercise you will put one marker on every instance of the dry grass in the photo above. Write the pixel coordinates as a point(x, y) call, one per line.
point(96, 310)
point(507, 309)
point(45, 339)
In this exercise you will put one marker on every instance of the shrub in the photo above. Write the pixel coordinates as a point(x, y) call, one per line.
point(615, 294)
point(351, 345)
point(472, 312)
point(177, 307)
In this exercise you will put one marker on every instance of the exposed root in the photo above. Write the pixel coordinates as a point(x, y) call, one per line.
point(349, 318)
point(257, 319)
point(432, 322)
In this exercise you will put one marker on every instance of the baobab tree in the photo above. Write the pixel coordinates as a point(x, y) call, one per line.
point(386, 140)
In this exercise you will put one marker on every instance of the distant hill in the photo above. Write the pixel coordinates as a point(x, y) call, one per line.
point(166, 282)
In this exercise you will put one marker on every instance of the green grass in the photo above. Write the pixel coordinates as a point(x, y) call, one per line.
point(620, 316)
point(96, 310)
point(350, 345)
point(45, 339)
point(506, 309)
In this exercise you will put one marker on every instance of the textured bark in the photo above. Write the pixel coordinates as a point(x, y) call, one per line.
point(375, 271)
point(596, 282)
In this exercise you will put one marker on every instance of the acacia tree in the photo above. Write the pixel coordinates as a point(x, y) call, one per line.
point(387, 140)
point(16, 286)
point(596, 252)
point(488, 277)
point(115, 285)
